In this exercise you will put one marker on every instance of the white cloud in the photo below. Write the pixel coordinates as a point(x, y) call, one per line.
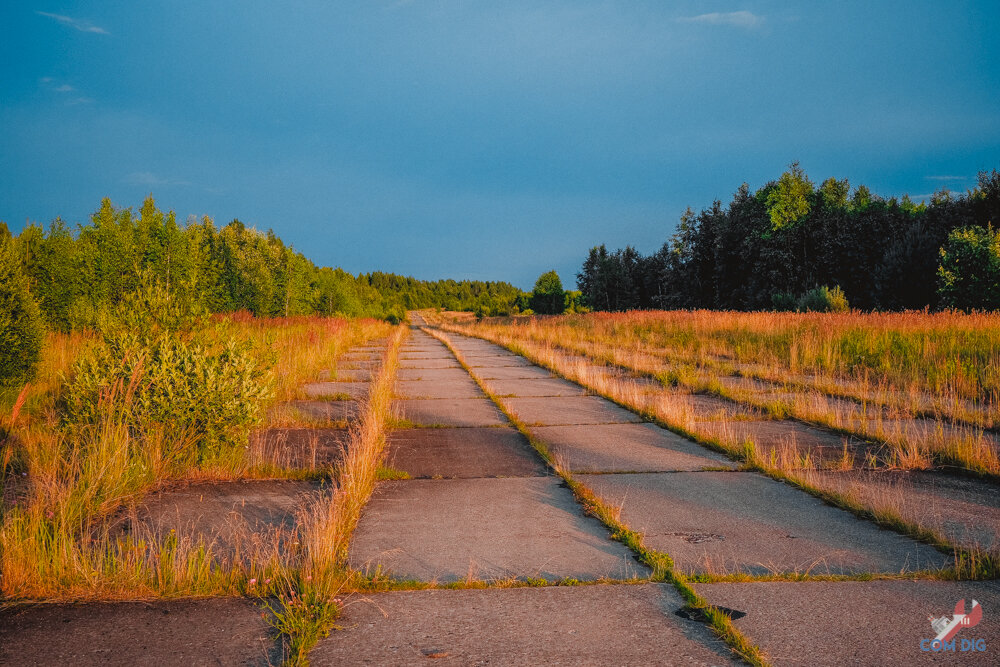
point(65, 88)
point(80, 100)
point(82, 26)
point(149, 178)
point(946, 178)
point(741, 19)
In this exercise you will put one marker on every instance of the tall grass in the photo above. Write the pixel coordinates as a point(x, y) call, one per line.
point(879, 412)
point(62, 480)
point(310, 605)
point(949, 361)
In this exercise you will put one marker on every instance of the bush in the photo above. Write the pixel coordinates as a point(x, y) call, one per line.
point(824, 300)
point(784, 301)
point(969, 272)
point(21, 328)
point(173, 377)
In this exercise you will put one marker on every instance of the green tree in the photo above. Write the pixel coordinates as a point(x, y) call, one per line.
point(969, 273)
point(21, 330)
point(788, 201)
point(834, 193)
point(548, 297)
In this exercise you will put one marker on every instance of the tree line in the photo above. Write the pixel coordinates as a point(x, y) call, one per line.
point(76, 273)
point(792, 245)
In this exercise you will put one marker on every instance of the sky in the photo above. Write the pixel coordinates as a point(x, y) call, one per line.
point(482, 140)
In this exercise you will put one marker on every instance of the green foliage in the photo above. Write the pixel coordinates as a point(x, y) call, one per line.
point(882, 253)
point(824, 300)
point(177, 376)
point(548, 298)
point(574, 302)
point(789, 200)
point(78, 278)
point(969, 272)
point(833, 193)
point(21, 328)
point(784, 301)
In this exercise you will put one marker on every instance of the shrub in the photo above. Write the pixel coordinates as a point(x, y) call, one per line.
point(21, 328)
point(824, 300)
point(969, 272)
point(784, 301)
point(178, 378)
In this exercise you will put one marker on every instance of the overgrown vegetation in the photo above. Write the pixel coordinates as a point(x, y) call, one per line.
point(969, 274)
point(637, 346)
point(162, 393)
point(768, 248)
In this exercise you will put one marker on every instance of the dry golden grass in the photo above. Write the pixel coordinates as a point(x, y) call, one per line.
point(59, 485)
point(921, 429)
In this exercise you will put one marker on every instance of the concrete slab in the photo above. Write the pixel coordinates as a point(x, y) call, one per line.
point(229, 515)
point(859, 622)
point(221, 631)
point(432, 374)
point(478, 347)
point(299, 447)
point(360, 356)
point(741, 383)
point(451, 412)
point(723, 522)
point(326, 411)
point(453, 529)
point(558, 411)
point(429, 363)
point(354, 390)
point(625, 448)
point(359, 364)
point(463, 452)
point(498, 354)
point(347, 375)
point(535, 387)
point(511, 373)
point(965, 510)
point(788, 436)
point(555, 625)
point(496, 361)
point(443, 353)
point(457, 388)
point(930, 429)
point(712, 408)
point(427, 343)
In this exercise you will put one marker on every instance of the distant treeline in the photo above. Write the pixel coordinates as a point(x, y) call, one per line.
point(787, 242)
point(76, 273)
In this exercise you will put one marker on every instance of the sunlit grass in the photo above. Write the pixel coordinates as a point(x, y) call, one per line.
point(694, 351)
point(61, 482)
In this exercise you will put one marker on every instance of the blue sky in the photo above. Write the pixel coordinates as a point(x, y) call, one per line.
point(486, 140)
